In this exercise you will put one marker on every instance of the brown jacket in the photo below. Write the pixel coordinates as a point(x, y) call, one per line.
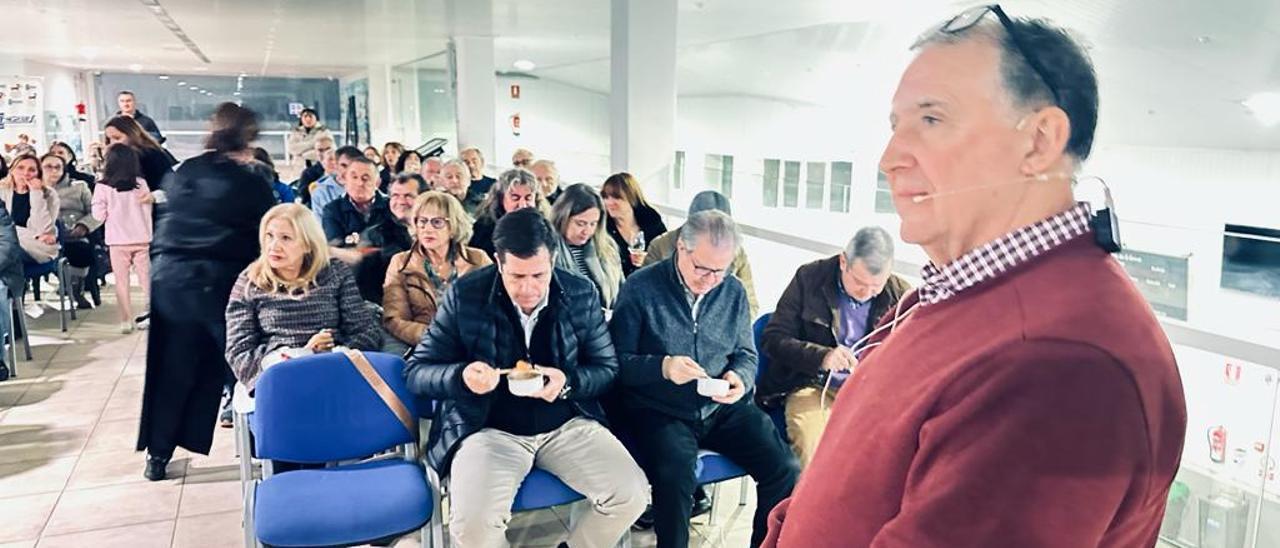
point(665, 246)
point(803, 328)
point(409, 299)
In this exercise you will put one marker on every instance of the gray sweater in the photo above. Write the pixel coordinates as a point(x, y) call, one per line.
point(653, 319)
point(259, 322)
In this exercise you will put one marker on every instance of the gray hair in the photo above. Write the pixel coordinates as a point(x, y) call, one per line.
point(458, 163)
point(873, 246)
point(549, 164)
point(716, 225)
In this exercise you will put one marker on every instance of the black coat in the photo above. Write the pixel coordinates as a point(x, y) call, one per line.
point(650, 222)
point(471, 325)
point(482, 235)
point(206, 234)
point(157, 164)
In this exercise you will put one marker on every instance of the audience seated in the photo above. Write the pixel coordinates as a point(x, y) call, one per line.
point(382, 240)
point(391, 153)
point(584, 246)
point(293, 300)
point(431, 167)
point(410, 162)
point(479, 182)
point(632, 222)
point(331, 187)
point(515, 189)
point(301, 142)
point(676, 326)
point(475, 358)
point(522, 158)
point(664, 246)
point(33, 207)
point(75, 201)
point(361, 206)
point(417, 279)
point(548, 179)
point(63, 150)
point(828, 307)
point(11, 273)
point(283, 193)
point(326, 164)
point(454, 180)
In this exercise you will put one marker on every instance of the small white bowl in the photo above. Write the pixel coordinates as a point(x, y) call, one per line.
point(525, 387)
point(713, 387)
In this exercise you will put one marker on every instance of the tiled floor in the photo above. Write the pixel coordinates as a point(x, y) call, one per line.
point(69, 475)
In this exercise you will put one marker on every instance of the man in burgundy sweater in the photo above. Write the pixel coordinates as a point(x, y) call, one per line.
point(1026, 395)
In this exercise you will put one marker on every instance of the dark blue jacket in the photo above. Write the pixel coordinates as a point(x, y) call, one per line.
point(652, 320)
point(342, 219)
point(472, 325)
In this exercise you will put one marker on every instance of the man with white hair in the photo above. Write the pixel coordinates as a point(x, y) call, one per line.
point(480, 183)
point(680, 327)
point(548, 176)
point(1026, 394)
point(522, 157)
point(828, 307)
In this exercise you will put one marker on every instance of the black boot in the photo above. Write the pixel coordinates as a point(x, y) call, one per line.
point(77, 291)
point(701, 502)
point(156, 468)
point(95, 292)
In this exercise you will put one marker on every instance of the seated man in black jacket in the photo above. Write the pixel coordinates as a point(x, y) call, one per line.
point(491, 324)
point(346, 218)
point(678, 326)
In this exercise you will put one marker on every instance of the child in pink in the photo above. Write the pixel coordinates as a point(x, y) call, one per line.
point(121, 200)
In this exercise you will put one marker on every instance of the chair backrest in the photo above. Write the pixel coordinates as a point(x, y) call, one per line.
point(319, 409)
point(757, 330)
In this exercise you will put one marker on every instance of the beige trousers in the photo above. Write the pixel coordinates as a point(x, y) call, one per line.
point(806, 420)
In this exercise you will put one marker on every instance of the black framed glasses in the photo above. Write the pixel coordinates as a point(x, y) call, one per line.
point(970, 17)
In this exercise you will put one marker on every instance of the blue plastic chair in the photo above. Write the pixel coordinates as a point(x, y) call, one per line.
point(778, 414)
point(318, 409)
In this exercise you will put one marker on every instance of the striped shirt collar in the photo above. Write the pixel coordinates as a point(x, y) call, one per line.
point(998, 256)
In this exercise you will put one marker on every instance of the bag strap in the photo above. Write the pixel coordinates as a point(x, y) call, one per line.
point(385, 392)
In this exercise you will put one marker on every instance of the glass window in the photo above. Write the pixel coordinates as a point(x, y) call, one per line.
point(771, 168)
point(726, 176)
point(884, 197)
point(677, 174)
point(841, 185)
point(815, 184)
point(791, 184)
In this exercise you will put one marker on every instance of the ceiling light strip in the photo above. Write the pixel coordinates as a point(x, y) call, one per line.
point(162, 15)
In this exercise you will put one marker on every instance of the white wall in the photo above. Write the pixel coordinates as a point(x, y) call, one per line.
point(567, 124)
point(62, 92)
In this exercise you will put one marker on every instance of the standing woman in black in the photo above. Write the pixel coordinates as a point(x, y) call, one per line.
point(207, 235)
point(632, 222)
point(156, 161)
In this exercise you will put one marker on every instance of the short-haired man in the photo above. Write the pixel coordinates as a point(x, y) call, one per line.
point(522, 157)
point(491, 323)
point(332, 186)
point(480, 183)
point(326, 163)
point(389, 236)
point(128, 104)
point(664, 246)
point(1026, 394)
point(675, 322)
point(828, 307)
point(548, 177)
point(431, 168)
point(361, 206)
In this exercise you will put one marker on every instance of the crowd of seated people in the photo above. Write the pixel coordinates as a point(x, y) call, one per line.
point(564, 327)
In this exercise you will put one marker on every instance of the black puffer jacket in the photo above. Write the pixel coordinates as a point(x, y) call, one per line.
point(211, 216)
point(471, 325)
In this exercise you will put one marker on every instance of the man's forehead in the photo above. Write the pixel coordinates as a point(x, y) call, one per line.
point(946, 75)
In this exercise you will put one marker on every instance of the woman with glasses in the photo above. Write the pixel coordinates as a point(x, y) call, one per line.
point(416, 279)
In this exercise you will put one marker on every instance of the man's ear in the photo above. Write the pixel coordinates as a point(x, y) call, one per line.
point(1048, 131)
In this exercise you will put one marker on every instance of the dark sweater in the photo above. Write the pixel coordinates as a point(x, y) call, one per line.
point(652, 320)
point(650, 222)
point(1041, 408)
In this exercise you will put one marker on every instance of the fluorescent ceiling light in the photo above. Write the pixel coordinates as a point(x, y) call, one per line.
point(524, 64)
point(1264, 106)
point(194, 88)
point(135, 67)
point(181, 84)
point(163, 77)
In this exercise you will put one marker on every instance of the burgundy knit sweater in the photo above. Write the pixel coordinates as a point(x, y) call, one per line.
point(1040, 408)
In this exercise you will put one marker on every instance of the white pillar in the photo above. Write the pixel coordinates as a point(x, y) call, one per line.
point(382, 111)
point(643, 100)
point(474, 89)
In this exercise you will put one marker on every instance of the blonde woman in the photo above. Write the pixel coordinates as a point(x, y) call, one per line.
point(34, 207)
point(294, 299)
point(418, 278)
point(585, 247)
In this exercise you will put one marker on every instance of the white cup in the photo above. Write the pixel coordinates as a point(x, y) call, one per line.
point(713, 387)
point(525, 386)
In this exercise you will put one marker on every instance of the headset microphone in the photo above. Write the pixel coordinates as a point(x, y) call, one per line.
point(1043, 177)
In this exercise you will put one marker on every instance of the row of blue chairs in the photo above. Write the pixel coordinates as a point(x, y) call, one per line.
point(319, 411)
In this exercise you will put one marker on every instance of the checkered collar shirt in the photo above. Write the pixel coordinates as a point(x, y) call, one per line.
point(998, 256)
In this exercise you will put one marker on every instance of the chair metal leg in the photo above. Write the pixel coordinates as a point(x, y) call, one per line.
point(66, 282)
point(13, 341)
point(22, 324)
point(715, 498)
point(250, 534)
point(436, 525)
point(62, 295)
point(742, 491)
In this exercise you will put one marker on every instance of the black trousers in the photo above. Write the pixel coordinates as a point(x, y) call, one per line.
point(667, 448)
point(186, 369)
point(79, 253)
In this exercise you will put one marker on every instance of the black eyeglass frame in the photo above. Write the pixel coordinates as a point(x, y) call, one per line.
point(972, 16)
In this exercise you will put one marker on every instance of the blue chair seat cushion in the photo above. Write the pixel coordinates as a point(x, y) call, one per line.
point(713, 467)
point(33, 270)
point(542, 489)
point(342, 505)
